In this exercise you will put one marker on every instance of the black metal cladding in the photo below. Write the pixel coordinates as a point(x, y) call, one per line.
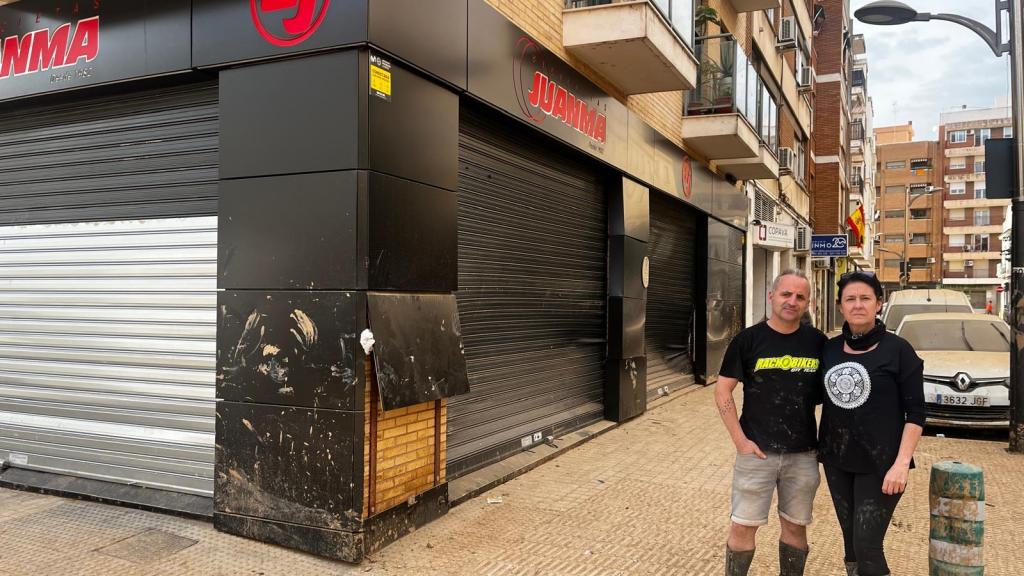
point(146, 154)
point(532, 290)
point(670, 293)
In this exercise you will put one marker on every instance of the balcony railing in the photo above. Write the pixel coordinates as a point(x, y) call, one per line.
point(727, 82)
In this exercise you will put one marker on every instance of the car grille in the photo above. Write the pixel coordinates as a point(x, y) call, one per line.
point(968, 413)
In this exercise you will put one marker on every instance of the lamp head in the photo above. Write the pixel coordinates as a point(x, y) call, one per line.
point(886, 13)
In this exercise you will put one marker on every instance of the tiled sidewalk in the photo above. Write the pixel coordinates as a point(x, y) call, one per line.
point(650, 497)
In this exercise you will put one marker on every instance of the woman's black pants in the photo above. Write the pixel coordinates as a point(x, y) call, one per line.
point(864, 514)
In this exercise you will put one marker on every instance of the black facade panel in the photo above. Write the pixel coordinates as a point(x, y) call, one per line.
point(291, 116)
point(433, 39)
point(297, 465)
point(412, 236)
point(415, 134)
point(532, 290)
point(289, 232)
point(629, 211)
point(670, 294)
point(626, 390)
point(625, 327)
point(225, 31)
point(626, 263)
point(293, 348)
point(146, 154)
point(418, 350)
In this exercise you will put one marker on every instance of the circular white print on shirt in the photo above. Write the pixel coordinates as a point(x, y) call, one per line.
point(848, 385)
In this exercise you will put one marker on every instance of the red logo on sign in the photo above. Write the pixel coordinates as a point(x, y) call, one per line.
point(687, 177)
point(540, 96)
point(297, 19)
point(42, 50)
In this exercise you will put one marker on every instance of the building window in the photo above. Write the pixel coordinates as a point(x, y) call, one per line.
point(920, 214)
point(983, 135)
point(892, 263)
point(957, 188)
point(957, 214)
point(979, 190)
point(895, 189)
point(919, 238)
point(979, 166)
point(893, 239)
point(896, 165)
point(800, 154)
point(894, 213)
point(920, 164)
point(956, 240)
point(955, 265)
point(979, 242)
point(958, 137)
point(918, 262)
point(957, 163)
point(981, 217)
point(1007, 131)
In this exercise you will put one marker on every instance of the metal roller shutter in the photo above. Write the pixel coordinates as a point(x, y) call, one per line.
point(149, 154)
point(532, 290)
point(670, 295)
point(107, 303)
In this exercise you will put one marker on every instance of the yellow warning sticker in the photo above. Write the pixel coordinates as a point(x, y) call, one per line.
point(380, 77)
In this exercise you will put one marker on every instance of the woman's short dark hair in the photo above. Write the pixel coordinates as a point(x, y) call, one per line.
point(868, 278)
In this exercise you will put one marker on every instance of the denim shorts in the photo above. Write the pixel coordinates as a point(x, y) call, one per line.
point(754, 482)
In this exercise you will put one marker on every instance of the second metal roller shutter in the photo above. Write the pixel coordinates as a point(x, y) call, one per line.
point(108, 258)
point(670, 294)
point(532, 290)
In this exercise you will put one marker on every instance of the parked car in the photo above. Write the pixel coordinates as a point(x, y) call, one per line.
point(903, 303)
point(966, 367)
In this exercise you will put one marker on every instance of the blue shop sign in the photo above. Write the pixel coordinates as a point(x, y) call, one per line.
point(829, 245)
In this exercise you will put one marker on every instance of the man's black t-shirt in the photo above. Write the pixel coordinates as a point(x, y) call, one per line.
point(781, 385)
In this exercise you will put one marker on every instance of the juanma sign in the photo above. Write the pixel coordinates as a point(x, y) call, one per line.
point(68, 45)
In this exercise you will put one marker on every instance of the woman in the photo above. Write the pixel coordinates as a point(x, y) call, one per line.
point(872, 419)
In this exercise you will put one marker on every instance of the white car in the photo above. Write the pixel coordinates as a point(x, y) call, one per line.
point(966, 367)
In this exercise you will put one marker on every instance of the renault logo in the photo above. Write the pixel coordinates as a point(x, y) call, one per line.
point(963, 381)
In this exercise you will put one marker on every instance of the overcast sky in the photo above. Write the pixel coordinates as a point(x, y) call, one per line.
point(920, 69)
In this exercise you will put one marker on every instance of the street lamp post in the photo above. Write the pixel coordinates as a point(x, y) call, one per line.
point(907, 201)
point(891, 13)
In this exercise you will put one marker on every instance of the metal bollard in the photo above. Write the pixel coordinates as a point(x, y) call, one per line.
point(957, 501)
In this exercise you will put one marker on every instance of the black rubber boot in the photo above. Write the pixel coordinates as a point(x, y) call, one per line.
point(737, 563)
point(851, 569)
point(791, 560)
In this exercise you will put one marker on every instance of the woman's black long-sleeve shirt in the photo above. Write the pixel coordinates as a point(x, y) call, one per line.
point(867, 400)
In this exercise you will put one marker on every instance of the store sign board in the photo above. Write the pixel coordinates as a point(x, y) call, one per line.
point(823, 245)
point(49, 46)
point(775, 236)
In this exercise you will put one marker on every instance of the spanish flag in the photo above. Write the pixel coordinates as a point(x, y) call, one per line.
point(856, 223)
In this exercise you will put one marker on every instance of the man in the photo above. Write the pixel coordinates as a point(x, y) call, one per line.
point(778, 362)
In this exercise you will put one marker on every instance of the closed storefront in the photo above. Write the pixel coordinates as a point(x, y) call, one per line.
point(108, 239)
point(671, 295)
point(532, 269)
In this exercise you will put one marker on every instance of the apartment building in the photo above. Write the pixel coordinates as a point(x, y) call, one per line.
point(862, 156)
point(909, 204)
point(833, 93)
point(973, 223)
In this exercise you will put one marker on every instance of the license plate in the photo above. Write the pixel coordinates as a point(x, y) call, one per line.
point(962, 400)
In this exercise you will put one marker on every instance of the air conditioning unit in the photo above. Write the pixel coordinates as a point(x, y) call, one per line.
point(821, 263)
point(968, 248)
point(931, 260)
point(787, 34)
point(787, 159)
point(805, 79)
point(968, 262)
point(803, 239)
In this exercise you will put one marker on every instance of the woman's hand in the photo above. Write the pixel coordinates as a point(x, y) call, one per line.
point(895, 481)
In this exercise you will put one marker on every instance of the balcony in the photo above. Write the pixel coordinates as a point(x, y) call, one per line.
point(955, 253)
point(970, 229)
point(975, 203)
point(965, 177)
point(965, 151)
point(640, 46)
point(753, 5)
point(731, 118)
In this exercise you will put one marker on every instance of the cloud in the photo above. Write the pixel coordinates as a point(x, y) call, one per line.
point(917, 70)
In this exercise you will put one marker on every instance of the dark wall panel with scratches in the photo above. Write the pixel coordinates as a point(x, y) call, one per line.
point(532, 289)
point(138, 155)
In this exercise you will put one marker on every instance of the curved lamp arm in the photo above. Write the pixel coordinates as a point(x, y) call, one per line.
point(987, 34)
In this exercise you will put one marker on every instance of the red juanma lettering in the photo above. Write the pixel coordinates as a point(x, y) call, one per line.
point(42, 50)
point(559, 103)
